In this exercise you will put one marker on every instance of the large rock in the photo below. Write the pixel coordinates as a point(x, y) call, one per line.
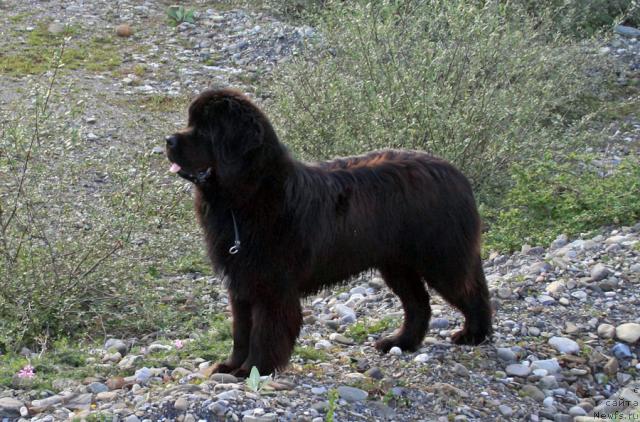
point(629, 333)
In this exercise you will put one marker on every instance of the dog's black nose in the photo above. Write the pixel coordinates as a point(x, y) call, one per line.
point(172, 141)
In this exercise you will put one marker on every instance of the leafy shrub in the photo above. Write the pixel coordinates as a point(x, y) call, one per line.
point(482, 86)
point(551, 197)
point(586, 17)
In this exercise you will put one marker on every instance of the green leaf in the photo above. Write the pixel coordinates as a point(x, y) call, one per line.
point(253, 382)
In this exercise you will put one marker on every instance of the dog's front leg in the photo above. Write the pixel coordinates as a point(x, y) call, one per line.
point(241, 331)
point(275, 327)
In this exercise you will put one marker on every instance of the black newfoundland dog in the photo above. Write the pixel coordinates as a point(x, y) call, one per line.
point(281, 229)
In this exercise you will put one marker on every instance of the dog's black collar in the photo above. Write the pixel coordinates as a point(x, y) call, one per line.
point(200, 178)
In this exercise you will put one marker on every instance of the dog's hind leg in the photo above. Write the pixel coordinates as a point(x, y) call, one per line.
point(471, 297)
point(408, 285)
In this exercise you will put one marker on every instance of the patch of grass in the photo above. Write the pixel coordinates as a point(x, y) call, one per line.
point(161, 103)
point(19, 17)
point(61, 362)
point(571, 196)
point(39, 52)
point(139, 70)
point(94, 417)
point(214, 345)
point(361, 330)
point(309, 353)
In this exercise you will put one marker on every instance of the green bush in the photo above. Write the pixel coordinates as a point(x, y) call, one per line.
point(585, 17)
point(551, 197)
point(482, 86)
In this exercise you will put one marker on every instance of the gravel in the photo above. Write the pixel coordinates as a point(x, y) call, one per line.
point(566, 326)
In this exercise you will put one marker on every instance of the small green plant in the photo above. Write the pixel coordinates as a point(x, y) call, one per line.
point(332, 405)
point(309, 353)
point(255, 382)
point(178, 14)
point(361, 330)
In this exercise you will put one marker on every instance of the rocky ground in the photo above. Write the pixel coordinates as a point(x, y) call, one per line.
point(567, 326)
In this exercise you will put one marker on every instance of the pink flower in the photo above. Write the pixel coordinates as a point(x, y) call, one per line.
point(26, 372)
point(178, 344)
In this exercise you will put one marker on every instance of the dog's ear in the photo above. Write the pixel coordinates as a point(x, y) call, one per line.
point(235, 128)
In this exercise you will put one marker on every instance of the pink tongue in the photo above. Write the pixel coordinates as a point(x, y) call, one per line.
point(174, 168)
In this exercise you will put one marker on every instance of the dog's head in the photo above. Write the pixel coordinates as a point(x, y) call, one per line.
point(223, 137)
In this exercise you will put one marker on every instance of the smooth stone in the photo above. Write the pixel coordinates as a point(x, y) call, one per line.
point(106, 396)
point(627, 31)
point(352, 394)
point(422, 358)
point(224, 378)
point(579, 294)
point(318, 390)
point(181, 404)
point(599, 272)
point(323, 345)
point(550, 365)
point(79, 402)
point(375, 373)
point(339, 338)
point(505, 410)
point(116, 345)
point(439, 324)
point(556, 287)
point(10, 407)
point(395, 351)
point(629, 332)
point(606, 331)
point(577, 411)
point(504, 293)
point(228, 395)
point(548, 382)
point(97, 387)
point(506, 354)
point(269, 417)
point(143, 375)
point(621, 351)
point(460, 370)
point(129, 361)
point(343, 310)
point(517, 370)
point(124, 30)
point(533, 392)
point(40, 405)
point(564, 345)
point(156, 347)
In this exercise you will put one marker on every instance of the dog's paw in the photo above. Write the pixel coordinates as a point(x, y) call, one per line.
point(219, 368)
point(241, 372)
point(468, 337)
point(385, 344)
